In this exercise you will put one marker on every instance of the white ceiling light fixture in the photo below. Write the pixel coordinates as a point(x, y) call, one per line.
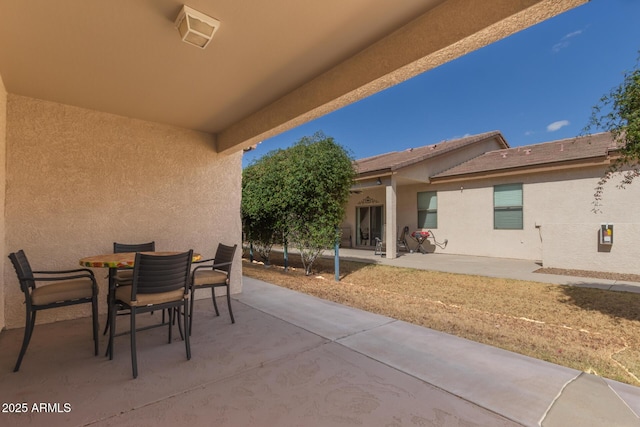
point(195, 27)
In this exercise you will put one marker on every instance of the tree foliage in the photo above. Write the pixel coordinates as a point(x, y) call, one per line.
point(318, 180)
point(263, 204)
point(299, 194)
point(618, 112)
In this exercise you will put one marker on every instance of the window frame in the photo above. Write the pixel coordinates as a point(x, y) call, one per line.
point(513, 207)
point(428, 212)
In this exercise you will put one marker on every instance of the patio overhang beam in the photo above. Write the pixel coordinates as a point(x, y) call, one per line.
point(454, 28)
point(373, 174)
point(373, 180)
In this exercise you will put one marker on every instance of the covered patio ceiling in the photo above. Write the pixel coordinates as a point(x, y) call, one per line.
point(270, 67)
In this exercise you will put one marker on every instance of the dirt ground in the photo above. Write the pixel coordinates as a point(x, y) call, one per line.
point(594, 274)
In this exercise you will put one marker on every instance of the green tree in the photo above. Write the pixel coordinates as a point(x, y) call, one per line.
point(298, 195)
point(318, 178)
point(263, 203)
point(618, 112)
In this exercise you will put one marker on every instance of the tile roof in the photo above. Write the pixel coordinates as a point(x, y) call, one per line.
point(547, 153)
point(399, 159)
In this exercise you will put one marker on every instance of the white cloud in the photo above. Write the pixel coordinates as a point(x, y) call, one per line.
point(565, 41)
point(457, 137)
point(573, 34)
point(557, 125)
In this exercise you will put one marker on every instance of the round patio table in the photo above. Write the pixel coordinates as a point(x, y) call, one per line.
point(121, 259)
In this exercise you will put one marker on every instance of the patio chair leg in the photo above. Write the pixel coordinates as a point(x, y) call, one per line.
point(229, 304)
point(134, 356)
point(112, 328)
point(177, 317)
point(96, 327)
point(110, 298)
point(171, 314)
point(186, 336)
point(190, 324)
point(28, 331)
point(213, 297)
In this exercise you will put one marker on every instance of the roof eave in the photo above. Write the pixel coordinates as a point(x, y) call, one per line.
point(520, 170)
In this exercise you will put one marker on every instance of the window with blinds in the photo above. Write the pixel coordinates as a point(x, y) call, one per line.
point(507, 207)
point(428, 209)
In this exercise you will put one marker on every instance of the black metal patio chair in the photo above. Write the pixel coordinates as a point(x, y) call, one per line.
point(159, 282)
point(215, 275)
point(402, 240)
point(124, 276)
point(65, 288)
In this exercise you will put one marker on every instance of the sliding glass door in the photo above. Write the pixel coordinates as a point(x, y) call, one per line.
point(369, 225)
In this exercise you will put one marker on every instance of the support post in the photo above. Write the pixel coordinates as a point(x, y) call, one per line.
point(286, 255)
point(391, 233)
point(336, 261)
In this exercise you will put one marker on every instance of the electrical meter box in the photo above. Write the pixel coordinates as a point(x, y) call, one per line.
point(606, 234)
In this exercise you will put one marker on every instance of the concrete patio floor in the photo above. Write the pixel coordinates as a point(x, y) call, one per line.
point(295, 360)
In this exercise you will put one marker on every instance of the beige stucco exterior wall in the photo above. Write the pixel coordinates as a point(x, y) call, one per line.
point(78, 180)
point(560, 228)
point(3, 179)
point(465, 218)
point(572, 240)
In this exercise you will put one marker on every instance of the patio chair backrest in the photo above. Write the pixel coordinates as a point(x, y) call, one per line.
point(405, 231)
point(23, 271)
point(224, 254)
point(161, 273)
point(135, 247)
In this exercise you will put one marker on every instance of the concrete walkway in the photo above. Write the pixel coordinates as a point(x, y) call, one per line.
point(523, 390)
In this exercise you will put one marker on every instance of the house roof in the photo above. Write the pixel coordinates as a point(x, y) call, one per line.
point(544, 154)
point(271, 66)
point(395, 160)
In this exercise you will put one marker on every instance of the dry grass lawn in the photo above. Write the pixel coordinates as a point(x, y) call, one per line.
point(590, 330)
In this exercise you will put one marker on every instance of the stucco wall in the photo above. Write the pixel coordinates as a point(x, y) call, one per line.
point(551, 200)
point(571, 241)
point(78, 180)
point(465, 218)
point(576, 246)
point(560, 227)
point(3, 158)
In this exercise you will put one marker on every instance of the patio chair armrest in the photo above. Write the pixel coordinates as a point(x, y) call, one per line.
point(61, 278)
point(65, 274)
point(76, 270)
point(213, 266)
point(222, 264)
point(208, 267)
point(65, 277)
point(202, 260)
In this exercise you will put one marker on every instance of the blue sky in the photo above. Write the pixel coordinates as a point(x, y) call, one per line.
point(537, 85)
